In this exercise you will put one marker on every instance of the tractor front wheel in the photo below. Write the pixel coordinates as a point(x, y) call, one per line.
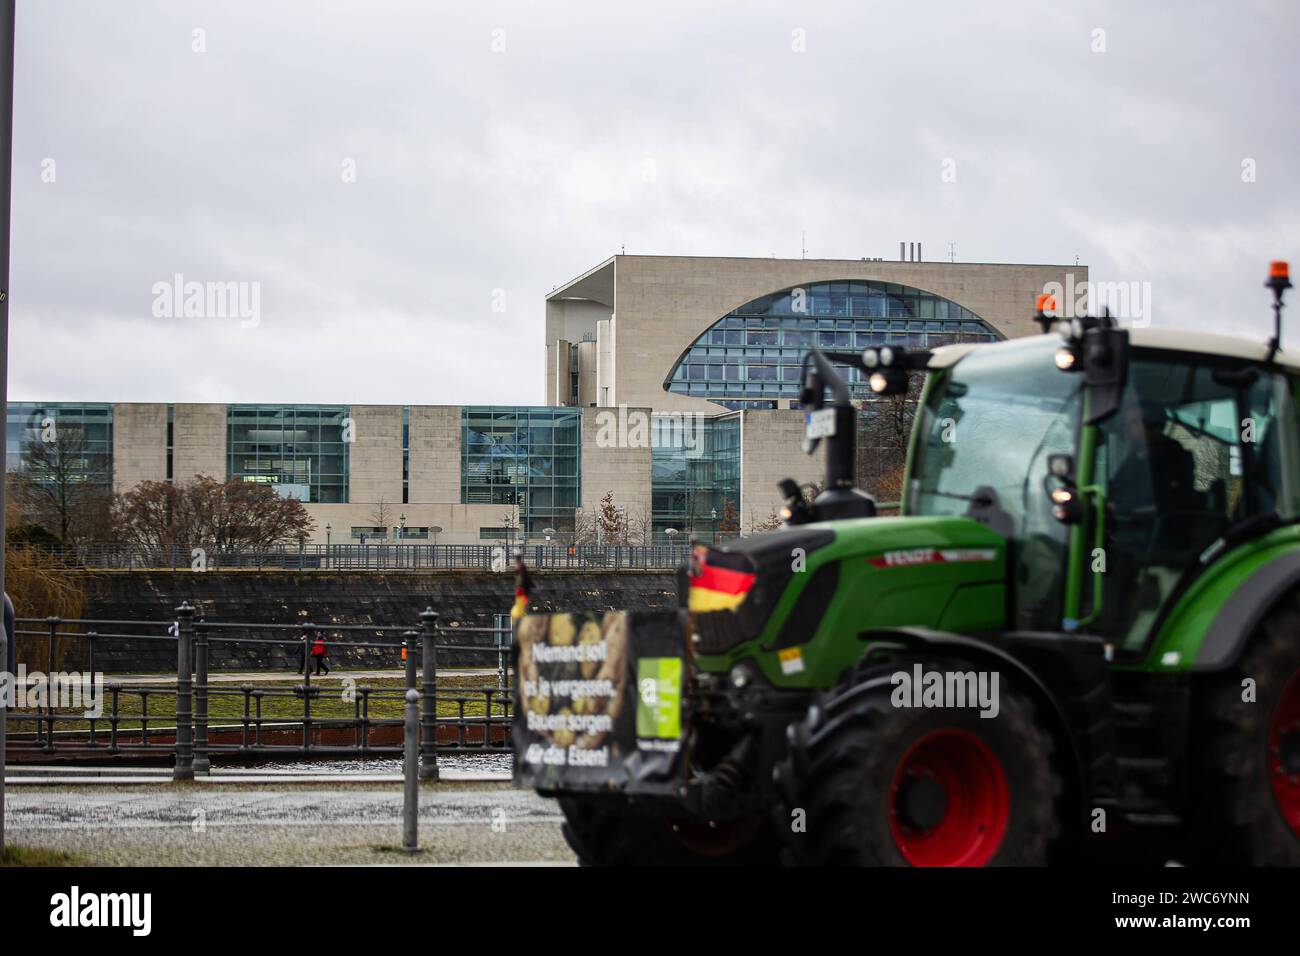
point(869, 783)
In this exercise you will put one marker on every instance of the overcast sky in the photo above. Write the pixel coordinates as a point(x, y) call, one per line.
point(380, 170)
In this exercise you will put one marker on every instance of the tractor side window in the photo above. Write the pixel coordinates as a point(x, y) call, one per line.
point(1189, 453)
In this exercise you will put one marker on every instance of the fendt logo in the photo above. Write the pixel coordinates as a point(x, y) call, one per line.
point(901, 559)
point(76, 909)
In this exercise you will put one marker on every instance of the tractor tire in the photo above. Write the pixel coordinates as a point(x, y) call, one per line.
point(882, 785)
point(612, 831)
point(1246, 755)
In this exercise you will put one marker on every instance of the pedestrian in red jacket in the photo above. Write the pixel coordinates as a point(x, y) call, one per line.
point(318, 654)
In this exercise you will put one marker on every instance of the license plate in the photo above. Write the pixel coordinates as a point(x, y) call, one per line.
point(820, 424)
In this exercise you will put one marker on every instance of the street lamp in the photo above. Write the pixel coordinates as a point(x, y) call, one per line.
point(401, 527)
point(328, 528)
point(714, 529)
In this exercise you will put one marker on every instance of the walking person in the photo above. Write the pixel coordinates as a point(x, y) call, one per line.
point(318, 654)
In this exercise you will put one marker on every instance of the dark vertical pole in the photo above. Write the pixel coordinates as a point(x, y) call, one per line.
point(429, 690)
point(306, 687)
point(410, 757)
point(6, 177)
point(49, 684)
point(202, 764)
point(408, 645)
point(184, 689)
point(90, 641)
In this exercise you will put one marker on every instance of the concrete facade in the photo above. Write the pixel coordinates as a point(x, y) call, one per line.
point(770, 451)
point(198, 441)
point(139, 444)
point(645, 311)
point(375, 459)
point(435, 453)
point(616, 457)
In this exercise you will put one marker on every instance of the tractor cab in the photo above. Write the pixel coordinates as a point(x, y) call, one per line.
point(1106, 518)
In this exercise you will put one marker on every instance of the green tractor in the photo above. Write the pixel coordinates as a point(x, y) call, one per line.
point(1079, 639)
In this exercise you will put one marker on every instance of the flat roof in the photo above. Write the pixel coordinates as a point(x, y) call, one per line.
point(1151, 337)
point(597, 283)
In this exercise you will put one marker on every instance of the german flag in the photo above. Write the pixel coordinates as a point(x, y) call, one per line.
point(523, 586)
point(717, 589)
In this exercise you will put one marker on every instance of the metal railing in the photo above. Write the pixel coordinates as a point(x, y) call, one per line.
point(378, 557)
point(294, 717)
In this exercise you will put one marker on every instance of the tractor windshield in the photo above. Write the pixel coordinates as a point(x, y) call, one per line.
point(982, 444)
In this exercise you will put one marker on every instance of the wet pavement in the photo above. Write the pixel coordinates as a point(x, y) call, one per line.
point(189, 824)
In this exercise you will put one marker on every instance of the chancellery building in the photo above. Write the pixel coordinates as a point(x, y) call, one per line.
point(671, 386)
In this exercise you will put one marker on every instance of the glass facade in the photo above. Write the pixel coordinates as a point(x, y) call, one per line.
point(752, 356)
point(298, 449)
point(527, 458)
point(695, 477)
point(83, 432)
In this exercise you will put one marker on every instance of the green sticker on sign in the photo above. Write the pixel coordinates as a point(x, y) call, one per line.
point(659, 697)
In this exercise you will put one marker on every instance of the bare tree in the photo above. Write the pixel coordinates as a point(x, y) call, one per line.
point(640, 526)
point(884, 431)
point(63, 485)
point(381, 514)
point(510, 522)
point(208, 513)
point(584, 527)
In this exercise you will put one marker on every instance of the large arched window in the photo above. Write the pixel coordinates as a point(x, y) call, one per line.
point(752, 355)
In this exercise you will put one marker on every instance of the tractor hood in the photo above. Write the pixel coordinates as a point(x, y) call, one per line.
point(772, 596)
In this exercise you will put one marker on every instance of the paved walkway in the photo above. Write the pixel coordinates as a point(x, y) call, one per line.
point(205, 825)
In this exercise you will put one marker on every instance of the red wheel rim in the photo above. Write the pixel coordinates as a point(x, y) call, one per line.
point(1284, 753)
point(968, 802)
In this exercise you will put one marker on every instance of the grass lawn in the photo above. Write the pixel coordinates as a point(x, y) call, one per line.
point(13, 855)
point(280, 701)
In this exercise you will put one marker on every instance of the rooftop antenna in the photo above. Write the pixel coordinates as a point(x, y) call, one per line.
point(1279, 280)
point(952, 251)
point(622, 249)
point(803, 244)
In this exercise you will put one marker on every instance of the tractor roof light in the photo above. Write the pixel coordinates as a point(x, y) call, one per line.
point(887, 356)
point(1279, 274)
point(870, 358)
point(1044, 309)
point(1062, 495)
point(878, 382)
point(1279, 280)
point(1067, 360)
